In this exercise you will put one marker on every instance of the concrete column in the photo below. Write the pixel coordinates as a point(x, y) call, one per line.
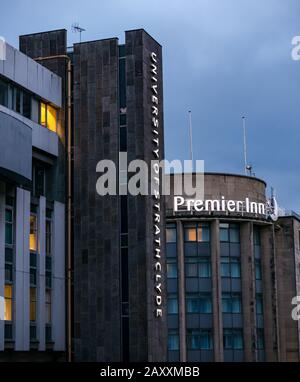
point(269, 294)
point(22, 270)
point(216, 292)
point(181, 292)
point(248, 291)
point(41, 273)
point(2, 262)
point(58, 278)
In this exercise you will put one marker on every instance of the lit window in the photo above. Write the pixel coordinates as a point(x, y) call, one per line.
point(190, 234)
point(48, 116)
point(51, 118)
point(33, 233)
point(8, 302)
point(32, 304)
point(43, 119)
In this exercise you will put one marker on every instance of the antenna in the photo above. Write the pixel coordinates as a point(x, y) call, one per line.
point(76, 28)
point(245, 145)
point(191, 139)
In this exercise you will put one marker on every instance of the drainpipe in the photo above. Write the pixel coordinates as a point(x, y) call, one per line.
point(69, 202)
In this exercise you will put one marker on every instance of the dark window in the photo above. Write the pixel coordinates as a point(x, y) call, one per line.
point(231, 303)
point(230, 267)
point(229, 233)
point(172, 304)
point(199, 339)
point(260, 339)
point(173, 340)
point(172, 270)
point(233, 339)
point(27, 105)
point(39, 180)
point(198, 303)
point(3, 93)
point(259, 303)
point(171, 235)
point(258, 273)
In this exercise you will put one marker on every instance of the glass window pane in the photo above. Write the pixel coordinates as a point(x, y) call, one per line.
point(258, 274)
point(238, 340)
point(172, 305)
point(192, 304)
point(43, 115)
point(205, 304)
point(48, 306)
point(224, 234)
point(173, 340)
point(235, 267)
point(259, 304)
point(3, 93)
point(51, 118)
point(171, 235)
point(32, 304)
point(225, 267)
point(234, 234)
point(205, 340)
point(190, 234)
point(172, 270)
point(33, 233)
point(8, 302)
point(203, 233)
point(236, 304)
point(204, 268)
point(226, 303)
point(191, 269)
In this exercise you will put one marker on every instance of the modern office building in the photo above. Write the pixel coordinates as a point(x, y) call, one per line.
point(232, 274)
point(32, 211)
point(83, 276)
point(118, 296)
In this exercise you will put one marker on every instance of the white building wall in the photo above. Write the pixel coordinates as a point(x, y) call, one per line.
point(58, 278)
point(41, 272)
point(22, 270)
point(2, 262)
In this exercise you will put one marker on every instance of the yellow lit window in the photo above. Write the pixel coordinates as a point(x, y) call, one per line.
point(191, 234)
point(8, 302)
point(48, 116)
point(51, 118)
point(43, 112)
point(32, 304)
point(33, 233)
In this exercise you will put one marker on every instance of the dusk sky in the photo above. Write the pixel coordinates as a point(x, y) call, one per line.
point(222, 60)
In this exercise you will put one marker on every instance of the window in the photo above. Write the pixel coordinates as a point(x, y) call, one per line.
point(198, 267)
point(8, 302)
point(172, 270)
point(260, 339)
point(3, 93)
point(198, 303)
point(233, 339)
point(231, 303)
point(259, 304)
point(197, 232)
point(17, 100)
point(258, 273)
point(33, 233)
point(172, 304)
point(48, 116)
point(8, 226)
point(230, 267)
point(256, 236)
point(48, 236)
point(9, 265)
point(173, 340)
point(33, 302)
point(199, 339)
point(204, 267)
point(26, 105)
point(171, 233)
point(229, 233)
point(39, 178)
point(48, 306)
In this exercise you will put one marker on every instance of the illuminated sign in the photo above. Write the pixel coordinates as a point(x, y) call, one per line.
point(268, 209)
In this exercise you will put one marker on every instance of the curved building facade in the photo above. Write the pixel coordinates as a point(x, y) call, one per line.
point(232, 273)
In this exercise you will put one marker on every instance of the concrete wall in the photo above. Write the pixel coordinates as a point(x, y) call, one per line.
point(26, 72)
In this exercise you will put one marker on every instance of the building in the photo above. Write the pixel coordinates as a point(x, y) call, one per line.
point(115, 312)
point(232, 275)
point(91, 277)
point(32, 210)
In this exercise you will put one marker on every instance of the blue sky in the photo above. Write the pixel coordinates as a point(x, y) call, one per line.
point(222, 60)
